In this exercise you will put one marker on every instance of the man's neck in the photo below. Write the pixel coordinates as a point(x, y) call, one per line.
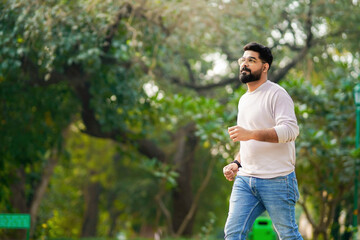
point(252, 86)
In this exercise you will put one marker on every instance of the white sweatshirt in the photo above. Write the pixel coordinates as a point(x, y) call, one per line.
point(269, 106)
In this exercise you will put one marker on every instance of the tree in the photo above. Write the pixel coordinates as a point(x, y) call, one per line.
point(325, 146)
point(105, 58)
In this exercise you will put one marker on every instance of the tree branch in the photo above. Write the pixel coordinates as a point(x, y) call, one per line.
point(93, 127)
point(32, 70)
point(163, 208)
point(278, 75)
point(195, 87)
point(194, 204)
point(191, 74)
point(307, 213)
point(41, 189)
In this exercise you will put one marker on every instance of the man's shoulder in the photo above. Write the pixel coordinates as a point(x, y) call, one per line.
point(276, 88)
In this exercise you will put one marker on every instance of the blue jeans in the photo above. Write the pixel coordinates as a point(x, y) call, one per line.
point(251, 196)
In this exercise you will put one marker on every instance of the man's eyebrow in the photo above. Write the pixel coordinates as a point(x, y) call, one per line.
point(250, 57)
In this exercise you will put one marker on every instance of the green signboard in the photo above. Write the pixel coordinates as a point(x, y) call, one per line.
point(14, 221)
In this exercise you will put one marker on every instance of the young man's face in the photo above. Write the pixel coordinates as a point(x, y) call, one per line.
point(251, 67)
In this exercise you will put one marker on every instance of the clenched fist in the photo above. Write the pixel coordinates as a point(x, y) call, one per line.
point(239, 134)
point(230, 171)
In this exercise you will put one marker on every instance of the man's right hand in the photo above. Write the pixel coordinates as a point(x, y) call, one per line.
point(230, 171)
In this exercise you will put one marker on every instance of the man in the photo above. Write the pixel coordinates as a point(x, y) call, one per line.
point(264, 168)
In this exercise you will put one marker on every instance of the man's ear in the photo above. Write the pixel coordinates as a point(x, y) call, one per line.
point(265, 67)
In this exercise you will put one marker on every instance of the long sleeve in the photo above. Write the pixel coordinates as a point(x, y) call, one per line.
point(269, 106)
point(286, 124)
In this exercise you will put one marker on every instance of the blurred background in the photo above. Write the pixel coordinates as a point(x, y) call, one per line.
point(114, 114)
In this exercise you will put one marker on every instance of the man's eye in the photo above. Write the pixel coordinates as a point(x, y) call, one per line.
point(252, 60)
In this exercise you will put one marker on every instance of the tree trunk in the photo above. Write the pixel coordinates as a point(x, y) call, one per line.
point(335, 228)
point(18, 201)
point(113, 219)
point(91, 215)
point(183, 195)
point(348, 234)
point(18, 198)
point(41, 189)
point(114, 213)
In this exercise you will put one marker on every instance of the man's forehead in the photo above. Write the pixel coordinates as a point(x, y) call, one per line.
point(249, 53)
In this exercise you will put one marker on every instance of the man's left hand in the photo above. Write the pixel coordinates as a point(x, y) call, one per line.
point(239, 134)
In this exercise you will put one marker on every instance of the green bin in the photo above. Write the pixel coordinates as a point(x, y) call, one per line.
point(262, 230)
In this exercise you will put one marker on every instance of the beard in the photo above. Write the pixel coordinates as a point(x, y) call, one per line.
point(251, 77)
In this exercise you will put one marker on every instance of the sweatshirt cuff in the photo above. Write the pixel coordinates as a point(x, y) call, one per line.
point(285, 134)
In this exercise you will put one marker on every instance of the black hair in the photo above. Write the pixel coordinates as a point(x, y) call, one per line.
point(264, 52)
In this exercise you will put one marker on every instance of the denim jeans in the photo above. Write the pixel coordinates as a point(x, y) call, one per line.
point(251, 196)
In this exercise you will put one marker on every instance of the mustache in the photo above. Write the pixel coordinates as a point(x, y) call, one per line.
point(245, 69)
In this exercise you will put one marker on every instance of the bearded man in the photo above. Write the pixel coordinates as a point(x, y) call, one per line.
point(264, 168)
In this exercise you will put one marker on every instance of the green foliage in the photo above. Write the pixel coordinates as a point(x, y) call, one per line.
point(330, 136)
point(161, 171)
point(325, 165)
point(93, 160)
point(31, 126)
point(137, 86)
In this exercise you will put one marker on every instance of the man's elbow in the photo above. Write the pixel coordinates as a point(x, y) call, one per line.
point(293, 134)
point(288, 134)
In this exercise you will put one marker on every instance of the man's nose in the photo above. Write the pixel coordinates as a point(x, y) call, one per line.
point(244, 64)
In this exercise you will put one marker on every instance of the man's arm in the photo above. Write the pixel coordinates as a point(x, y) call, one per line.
point(285, 119)
point(285, 129)
point(241, 134)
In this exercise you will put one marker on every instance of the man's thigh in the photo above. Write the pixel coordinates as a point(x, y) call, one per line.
point(279, 196)
point(243, 210)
